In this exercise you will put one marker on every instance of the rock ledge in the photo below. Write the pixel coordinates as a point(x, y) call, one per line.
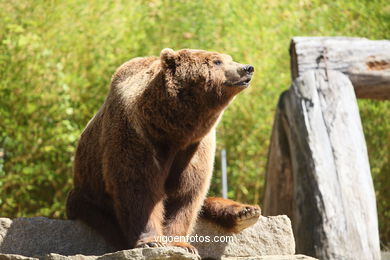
point(52, 239)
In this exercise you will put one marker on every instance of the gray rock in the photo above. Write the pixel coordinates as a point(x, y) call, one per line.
point(272, 257)
point(172, 253)
point(40, 236)
point(56, 239)
point(269, 236)
point(15, 257)
point(154, 254)
point(385, 255)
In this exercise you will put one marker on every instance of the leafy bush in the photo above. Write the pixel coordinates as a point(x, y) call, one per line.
point(56, 59)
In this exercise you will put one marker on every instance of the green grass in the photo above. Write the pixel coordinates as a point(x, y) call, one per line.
point(57, 57)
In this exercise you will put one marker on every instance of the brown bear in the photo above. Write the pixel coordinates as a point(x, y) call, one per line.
point(144, 162)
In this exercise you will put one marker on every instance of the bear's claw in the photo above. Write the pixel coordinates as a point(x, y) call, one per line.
point(150, 243)
point(249, 212)
point(246, 217)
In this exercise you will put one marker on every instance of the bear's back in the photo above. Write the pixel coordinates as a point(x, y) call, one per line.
point(130, 68)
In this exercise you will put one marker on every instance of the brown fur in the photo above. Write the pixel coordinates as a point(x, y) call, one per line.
point(144, 162)
point(231, 215)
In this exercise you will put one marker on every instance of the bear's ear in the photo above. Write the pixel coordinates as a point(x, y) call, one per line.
point(168, 58)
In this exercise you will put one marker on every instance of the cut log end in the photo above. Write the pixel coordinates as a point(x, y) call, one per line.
point(366, 62)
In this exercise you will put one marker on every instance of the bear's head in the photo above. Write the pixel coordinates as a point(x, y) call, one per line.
point(209, 76)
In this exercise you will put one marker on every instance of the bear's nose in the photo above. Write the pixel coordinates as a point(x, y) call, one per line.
point(249, 68)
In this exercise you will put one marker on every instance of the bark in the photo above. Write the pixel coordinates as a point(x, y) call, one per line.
point(318, 171)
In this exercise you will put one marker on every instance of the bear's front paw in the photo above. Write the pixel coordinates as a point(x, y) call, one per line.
point(149, 242)
point(245, 216)
point(231, 215)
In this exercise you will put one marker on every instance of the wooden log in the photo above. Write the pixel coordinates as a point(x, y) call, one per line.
point(279, 192)
point(323, 165)
point(366, 62)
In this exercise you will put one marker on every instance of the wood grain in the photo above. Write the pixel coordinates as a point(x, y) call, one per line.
point(318, 170)
point(365, 62)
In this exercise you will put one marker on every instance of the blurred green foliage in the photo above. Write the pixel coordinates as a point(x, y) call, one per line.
point(56, 59)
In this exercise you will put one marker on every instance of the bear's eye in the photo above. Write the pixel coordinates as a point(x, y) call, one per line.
point(217, 62)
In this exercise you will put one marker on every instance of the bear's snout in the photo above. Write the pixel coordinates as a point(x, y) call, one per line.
point(249, 69)
point(245, 70)
point(240, 76)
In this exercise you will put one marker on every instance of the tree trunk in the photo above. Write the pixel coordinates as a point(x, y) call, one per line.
point(318, 171)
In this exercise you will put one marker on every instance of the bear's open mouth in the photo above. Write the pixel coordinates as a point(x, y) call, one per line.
point(242, 83)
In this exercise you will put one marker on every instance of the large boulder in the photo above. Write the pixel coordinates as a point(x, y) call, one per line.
point(56, 239)
point(269, 236)
point(153, 254)
point(171, 253)
point(39, 236)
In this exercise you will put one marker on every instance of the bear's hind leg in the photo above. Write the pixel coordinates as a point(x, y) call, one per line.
point(135, 186)
point(230, 215)
point(80, 207)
